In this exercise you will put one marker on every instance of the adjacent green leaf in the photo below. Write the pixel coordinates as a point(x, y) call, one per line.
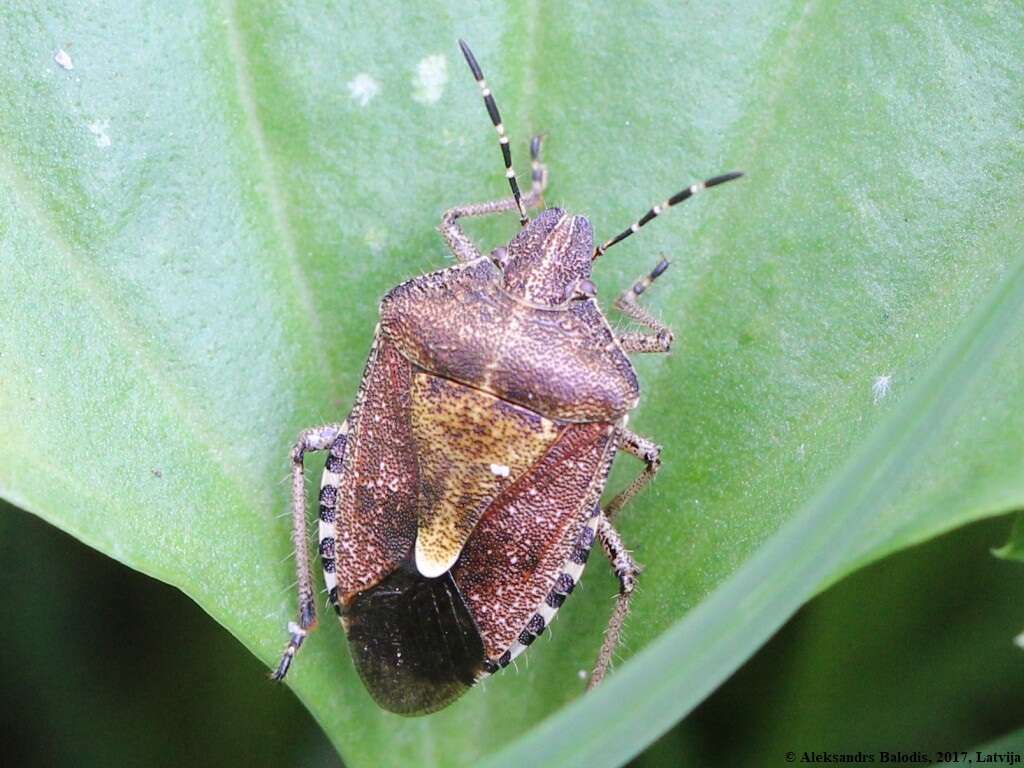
point(874, 653)
point(1011, 742)
point(200, 216)
point(1013, 549)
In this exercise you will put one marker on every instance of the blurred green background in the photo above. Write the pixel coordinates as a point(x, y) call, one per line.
point(104, 666)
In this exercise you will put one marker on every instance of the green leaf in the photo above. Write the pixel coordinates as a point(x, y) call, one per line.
point(1013, 549)
point(202, 214)
point(1011, 742)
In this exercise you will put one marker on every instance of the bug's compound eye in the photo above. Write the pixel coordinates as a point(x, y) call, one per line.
point(581, 289)
point(500, 256)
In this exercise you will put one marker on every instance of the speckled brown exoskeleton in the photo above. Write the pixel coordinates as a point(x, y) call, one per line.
point(461, 496)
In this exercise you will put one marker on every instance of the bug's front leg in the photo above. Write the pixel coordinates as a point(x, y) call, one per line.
point(322, 438)
point(628, 304)
point(459, 242)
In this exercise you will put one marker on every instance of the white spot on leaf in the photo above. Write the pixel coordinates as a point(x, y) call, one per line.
point(63, 59)
point(1019, 641)
point(375, 239)
point(430, 79)
point(363, 88)
point(98, 128)
point(880, 388)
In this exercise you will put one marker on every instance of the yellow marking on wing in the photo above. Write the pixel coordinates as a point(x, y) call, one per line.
point(470, 446)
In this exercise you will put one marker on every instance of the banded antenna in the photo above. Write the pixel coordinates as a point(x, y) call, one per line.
point(492, 110)
point(657, 210)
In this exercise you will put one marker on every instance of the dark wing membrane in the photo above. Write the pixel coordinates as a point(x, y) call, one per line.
point(414, 641)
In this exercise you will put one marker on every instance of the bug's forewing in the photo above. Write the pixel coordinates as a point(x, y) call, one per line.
point(529, 536)
point(412, 639)
point(376, 502)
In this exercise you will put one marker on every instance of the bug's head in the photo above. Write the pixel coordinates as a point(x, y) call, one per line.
point(548, 262)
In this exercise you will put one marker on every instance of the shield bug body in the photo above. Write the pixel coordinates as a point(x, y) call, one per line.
point(461, 496)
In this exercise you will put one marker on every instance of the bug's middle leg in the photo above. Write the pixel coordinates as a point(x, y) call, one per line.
point(459, 242)
point(628, 303)
point(322, 438)
point(648, 452)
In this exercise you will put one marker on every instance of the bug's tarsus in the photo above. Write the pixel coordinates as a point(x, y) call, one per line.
point(539, 171)
point(492, 111)
point(296, 635)
point(535, 142)
point(628, 304)
point(657, 210)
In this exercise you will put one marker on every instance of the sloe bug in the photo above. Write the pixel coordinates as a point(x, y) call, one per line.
point(461, 496)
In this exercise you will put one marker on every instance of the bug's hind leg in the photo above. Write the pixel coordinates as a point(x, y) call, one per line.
point(628, 303)
point(327, 436)
point(625, 567)
point(459, 242)
point(627, 570)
